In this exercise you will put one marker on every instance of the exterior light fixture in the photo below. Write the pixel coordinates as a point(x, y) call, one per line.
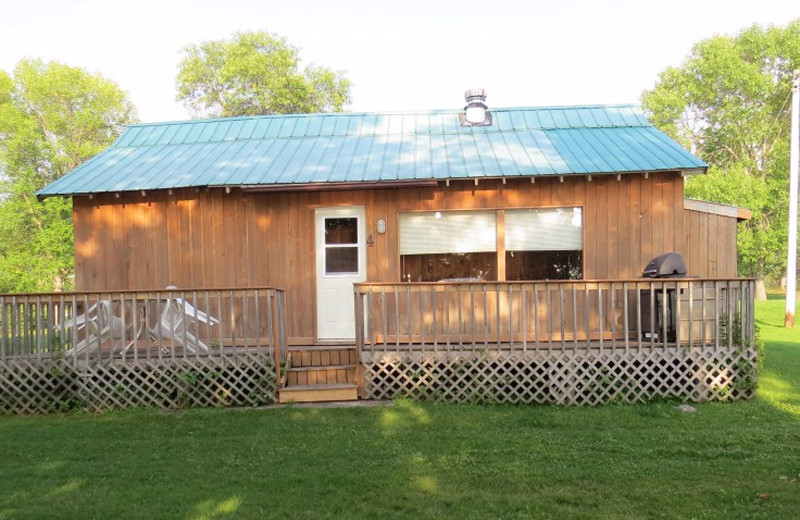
point(380, 226)
point(476, 112)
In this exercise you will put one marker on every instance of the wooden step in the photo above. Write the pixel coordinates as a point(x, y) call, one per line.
point(321, 375)
point(318, 393)
point(323, 346)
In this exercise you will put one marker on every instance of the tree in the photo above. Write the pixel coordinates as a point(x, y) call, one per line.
point(255, 73)
point(52, 118)
point(728, 103)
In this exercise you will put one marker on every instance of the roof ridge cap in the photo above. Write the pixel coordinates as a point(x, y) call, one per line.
point(382, 113)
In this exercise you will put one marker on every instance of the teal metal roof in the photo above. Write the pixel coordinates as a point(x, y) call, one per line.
point(337, 148)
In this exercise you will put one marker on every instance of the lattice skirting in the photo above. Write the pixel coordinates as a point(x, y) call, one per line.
point(42, 386)
point(585, 378)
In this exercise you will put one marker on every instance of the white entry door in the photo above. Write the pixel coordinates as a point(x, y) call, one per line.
point(341, 262)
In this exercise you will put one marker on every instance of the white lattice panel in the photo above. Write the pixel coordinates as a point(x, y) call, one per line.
point(586, 378)
point(42, 386)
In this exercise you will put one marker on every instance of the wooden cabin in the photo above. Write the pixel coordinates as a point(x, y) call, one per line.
point(319, 204)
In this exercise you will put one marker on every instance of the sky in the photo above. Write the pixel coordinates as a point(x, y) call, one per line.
point(400, 56)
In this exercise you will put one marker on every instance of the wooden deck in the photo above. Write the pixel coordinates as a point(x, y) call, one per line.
point(580, 342)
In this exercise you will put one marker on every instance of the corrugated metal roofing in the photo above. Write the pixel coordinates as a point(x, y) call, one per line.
point(335, 148)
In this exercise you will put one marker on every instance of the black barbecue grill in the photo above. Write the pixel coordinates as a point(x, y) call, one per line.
point(668, 265)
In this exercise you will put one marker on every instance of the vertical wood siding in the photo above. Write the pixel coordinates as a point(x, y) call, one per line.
point(710, 244)
point(218, 239)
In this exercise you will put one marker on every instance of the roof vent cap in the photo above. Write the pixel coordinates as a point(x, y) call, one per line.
point(476, 112)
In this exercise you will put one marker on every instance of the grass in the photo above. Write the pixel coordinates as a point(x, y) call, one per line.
point(419, 460)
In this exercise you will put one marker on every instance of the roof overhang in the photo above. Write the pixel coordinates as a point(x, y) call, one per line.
point(335, 186)
point(407, 183)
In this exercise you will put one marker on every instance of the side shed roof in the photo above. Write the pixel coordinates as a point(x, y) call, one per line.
point(371, 148)
point(716, 208)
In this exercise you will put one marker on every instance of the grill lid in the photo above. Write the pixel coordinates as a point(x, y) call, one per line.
point(668, 265)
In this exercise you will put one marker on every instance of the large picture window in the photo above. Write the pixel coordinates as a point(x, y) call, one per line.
point(438, 245)
point(544, 244)
point(539, 244)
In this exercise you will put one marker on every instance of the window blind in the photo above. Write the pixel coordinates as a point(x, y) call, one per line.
point(447, 232)
point(557, 229)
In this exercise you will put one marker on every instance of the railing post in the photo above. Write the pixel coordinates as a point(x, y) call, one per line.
point(280, 341)
point(717, 298)
point(549, 308)
point(690, 295)
point(587, 313)
point(703, 309)
point(4, 340)
point(752, 312)
point(625, 319)
point(731, 314)
point(639, 331)
point(561, 318)
point(358, 302)
point(536, 314)
point(600, 316)
point(409, 321)
point(523, 296)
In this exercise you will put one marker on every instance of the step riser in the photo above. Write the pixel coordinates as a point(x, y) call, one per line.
point(321, 377)
point(323, 357)
point(317, 396)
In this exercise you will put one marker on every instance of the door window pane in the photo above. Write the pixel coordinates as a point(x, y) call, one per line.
point(341, 230)
point(339, 260)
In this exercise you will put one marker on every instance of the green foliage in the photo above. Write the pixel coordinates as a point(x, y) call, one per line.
point(729, 103)
point(52, 118)
point(256, 73)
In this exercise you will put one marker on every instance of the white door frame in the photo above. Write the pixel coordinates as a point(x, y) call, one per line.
point(335, 302)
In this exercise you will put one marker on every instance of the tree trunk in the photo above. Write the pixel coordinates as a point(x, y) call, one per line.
point(761, 288)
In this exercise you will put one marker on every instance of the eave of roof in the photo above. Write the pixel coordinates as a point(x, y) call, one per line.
point(368, 149)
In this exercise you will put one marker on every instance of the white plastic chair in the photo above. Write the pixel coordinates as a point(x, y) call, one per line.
point(102, 324)
point(179, 320)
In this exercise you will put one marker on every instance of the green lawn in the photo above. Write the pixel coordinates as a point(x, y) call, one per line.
point(727, 460)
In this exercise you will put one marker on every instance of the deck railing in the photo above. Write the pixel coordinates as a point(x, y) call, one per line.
point(521, 316)
point(133, 325)
point(171, 348)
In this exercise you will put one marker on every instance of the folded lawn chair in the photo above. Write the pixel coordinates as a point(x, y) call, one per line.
point(180, 321)
point(101, 324)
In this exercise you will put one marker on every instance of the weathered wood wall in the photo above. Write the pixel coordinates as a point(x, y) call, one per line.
point(216, 239)
point(710, 244)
